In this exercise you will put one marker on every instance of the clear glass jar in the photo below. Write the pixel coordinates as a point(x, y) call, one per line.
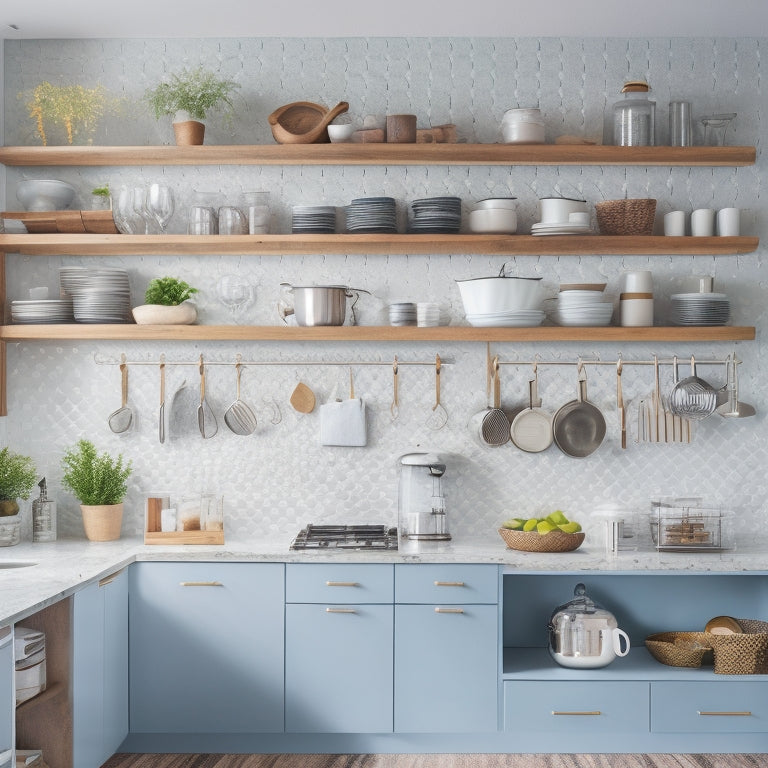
point(634, 118)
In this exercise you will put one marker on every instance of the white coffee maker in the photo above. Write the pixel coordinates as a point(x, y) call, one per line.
point(421, 503)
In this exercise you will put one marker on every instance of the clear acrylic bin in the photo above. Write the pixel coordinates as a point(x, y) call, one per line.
point(685, 525)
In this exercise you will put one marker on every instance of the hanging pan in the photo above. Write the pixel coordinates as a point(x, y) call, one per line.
point(578, 427)
point(531, 429)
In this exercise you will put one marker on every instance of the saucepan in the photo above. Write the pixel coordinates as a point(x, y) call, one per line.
point(320, 304)
point(531, 429)
point(578, 427)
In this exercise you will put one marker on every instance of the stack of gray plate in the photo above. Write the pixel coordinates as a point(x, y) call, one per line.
point(100, 295)
point(437, 215)
point(700, 309)
point(372, 214)
point(42, 311)
point(313, 219)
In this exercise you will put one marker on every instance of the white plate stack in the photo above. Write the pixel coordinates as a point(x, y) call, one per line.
point(36, 311)
point(100, 295)
point(517, 318)
point(584, 308)
point(313, 219)
point(700, 309)
point(372, 214)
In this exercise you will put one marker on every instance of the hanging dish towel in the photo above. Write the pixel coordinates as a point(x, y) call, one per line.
point(343, 423)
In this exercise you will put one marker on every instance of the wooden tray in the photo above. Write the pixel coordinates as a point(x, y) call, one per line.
point(153, 534)
point(65, 222)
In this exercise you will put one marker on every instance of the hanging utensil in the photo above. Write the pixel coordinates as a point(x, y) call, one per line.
point(121, 419)
point(620, 404)
point(161, 417)
point(733, 408)
point(692, 397)
point(206, 420)
point(394, 409)
point(494, 428)
point(239, 417)
point(439, 416)
point(303, 398)
point(531, 429)
point(578, 427)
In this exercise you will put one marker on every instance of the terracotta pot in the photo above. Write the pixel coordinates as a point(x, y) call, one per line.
point(158, 314)
point(8, 507)
point(189, 133)
point(102, 522)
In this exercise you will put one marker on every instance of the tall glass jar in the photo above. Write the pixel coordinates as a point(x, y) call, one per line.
point(634, 118)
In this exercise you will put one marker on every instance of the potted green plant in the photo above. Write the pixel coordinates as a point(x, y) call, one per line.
point(101, 199)
point(18, 476)
point(188, 96)
point(99, 482)
point(166, 302)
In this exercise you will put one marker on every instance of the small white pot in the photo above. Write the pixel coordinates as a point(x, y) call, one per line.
point(158, 314)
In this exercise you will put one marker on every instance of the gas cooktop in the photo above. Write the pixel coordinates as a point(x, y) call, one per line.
point(346, 537)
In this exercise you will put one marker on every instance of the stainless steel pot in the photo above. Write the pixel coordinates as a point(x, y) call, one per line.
point(320, 304)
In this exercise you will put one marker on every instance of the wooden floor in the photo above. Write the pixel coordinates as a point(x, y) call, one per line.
point(438, 761)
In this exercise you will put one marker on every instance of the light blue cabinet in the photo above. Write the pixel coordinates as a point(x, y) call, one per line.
point(6, 696)
point(100, 670)
point(206, 647)
point(446, 650)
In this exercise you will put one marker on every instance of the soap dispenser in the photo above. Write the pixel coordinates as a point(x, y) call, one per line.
point(43, 516)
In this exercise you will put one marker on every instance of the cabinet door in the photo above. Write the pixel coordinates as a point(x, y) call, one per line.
point(115, 592)
point(7, 703)
point(206, 647)
point(446, 668)
point(338, 673)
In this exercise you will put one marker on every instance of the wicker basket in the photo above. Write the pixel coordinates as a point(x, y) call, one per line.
point(626, 217)
point(531, 541)
point(742, 654)
point(680, 649)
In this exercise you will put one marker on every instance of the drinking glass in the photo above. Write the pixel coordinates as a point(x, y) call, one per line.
point(127, 221)
point(160, 204)
point(235, 292)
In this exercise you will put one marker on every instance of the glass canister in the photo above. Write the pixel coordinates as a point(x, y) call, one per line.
point(634, 118)
point(43, 516)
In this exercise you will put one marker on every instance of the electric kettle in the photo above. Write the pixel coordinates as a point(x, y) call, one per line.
point(582, 635)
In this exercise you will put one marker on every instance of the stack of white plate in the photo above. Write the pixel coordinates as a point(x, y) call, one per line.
point(42, 311)
point(402, 313)
point(700, 309)
point(313, 219)
point(438, 215)
point(429, 315)
point(562, 228)
point(100, 295)
point(582, 308)
point(372, 214)
point(519, 318)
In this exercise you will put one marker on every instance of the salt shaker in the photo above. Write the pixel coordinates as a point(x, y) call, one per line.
point(43, 516)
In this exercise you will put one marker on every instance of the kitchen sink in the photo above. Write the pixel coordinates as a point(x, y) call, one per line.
point(15, 564)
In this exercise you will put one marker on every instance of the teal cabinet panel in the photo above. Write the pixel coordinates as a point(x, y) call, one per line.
point(116, 695)
point(338, 668)
point(339, 583)
point(576, 707)
point(446, 668)
point(720, 706)
point(206, 647)
point(449, 583)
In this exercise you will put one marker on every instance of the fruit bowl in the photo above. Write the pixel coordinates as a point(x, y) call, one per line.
point(533, 541)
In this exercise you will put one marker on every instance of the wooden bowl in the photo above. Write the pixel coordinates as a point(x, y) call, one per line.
point(303, 122)
point(532, 541)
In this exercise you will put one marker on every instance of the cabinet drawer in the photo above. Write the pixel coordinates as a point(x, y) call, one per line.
point(446, 584)
point(577, 706)
point(711, 707)
point(342, 583)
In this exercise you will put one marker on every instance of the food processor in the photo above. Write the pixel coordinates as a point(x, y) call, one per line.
point(421, 503)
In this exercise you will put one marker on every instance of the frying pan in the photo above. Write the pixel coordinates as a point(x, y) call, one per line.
point(578, 427)
point(531, 429)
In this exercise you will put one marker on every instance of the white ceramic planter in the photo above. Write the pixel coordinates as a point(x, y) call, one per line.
point(158, 314)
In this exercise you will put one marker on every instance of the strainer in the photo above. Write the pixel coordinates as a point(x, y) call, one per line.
point(494, 427)
point(692, 398)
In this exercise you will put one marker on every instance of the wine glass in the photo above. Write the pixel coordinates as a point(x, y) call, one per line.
point(160, 204)
point(235, 292)
point(127, 220)
point(140, 210)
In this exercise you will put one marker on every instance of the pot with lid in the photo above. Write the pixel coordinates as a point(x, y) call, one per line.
point(320, 304)
point(582, 635)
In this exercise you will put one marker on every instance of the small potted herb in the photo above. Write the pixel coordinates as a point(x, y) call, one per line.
point(188, 96)
point(167, 302)
point(99, 482)
point(101, 199)
point(17, 479)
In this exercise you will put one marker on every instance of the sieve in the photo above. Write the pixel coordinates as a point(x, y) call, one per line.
point(494, 427)
point(692, 397)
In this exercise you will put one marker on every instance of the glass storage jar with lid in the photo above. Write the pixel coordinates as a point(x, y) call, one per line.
point(634, 118)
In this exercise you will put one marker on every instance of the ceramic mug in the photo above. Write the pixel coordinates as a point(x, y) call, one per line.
point(674, 224)
point(728, 222)
point(703, 222)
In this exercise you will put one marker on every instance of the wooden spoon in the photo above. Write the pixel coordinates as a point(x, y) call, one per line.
point(303, 398)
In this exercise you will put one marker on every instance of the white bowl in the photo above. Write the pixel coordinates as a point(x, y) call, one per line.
point(44, 194)
point(556, 210)
point(487, 295)
point(497, 202)
point(497, 221)
point(340, 133)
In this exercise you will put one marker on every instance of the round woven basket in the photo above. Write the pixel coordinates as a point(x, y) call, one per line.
point(531, 541)
point(626, 217)
point(680, 649)
point(742, 654)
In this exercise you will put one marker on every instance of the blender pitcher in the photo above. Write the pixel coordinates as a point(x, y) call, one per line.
point(421, 503)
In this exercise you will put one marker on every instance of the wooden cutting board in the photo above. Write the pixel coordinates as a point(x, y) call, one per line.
point(65, 222)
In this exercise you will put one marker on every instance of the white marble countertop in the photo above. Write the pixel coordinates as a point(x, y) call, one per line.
point(63, 566)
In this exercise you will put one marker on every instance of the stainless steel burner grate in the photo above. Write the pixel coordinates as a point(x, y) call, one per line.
point(346, 537)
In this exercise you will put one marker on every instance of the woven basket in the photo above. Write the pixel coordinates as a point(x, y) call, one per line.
point(531, 541)
point(626, 217)
point(680, 649)
point(102, 522)
point(744, 654)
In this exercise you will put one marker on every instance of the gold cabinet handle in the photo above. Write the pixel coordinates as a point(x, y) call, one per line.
point(201, 584)
point(340, 610)
point(109, 579)
point(725, 714)
point(449, 584)
point(578, 712)
point(438, 609)
point(342, 584)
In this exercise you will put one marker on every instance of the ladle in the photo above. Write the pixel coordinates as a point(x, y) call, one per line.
point(121, 419)
point(239, 417)
point(734, 409)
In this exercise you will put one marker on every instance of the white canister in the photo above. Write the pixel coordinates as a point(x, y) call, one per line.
point(522, 126)
point(636, 309)
point(638, 281)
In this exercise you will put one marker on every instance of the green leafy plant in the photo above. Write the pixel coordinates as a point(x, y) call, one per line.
point(101, 191)
point(168, 291)
point(95, 478)
point(196, 91)
point(18, 475)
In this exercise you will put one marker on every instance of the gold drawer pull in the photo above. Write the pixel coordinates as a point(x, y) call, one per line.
point(592, 712)
point(109, 579)
point(201, 584)
point(340, 610)
point(342, 584)
point(726, 714)
point(449, 610)
point(449, 584)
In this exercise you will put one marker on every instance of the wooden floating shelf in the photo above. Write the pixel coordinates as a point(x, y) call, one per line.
point(382, 245)
point(379, 154)
point(94, 332)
